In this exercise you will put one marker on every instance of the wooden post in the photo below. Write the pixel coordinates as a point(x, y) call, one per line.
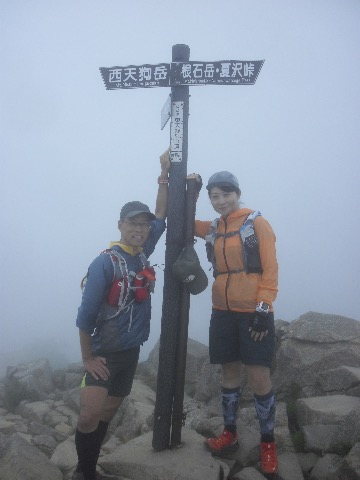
point(178, 407)
point(172, 288)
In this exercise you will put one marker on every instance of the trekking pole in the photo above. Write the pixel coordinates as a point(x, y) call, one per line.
point(178, 416)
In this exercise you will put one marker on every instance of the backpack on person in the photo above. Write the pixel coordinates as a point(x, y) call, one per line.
point(248, 238)
point(125, 282)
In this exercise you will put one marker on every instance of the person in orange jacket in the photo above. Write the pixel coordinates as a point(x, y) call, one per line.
point(242, 321)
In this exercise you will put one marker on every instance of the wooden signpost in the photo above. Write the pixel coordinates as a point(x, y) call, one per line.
point(179, 75)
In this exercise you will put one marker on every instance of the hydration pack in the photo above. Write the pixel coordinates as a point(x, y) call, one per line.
point(250, 242)
point(127, 286)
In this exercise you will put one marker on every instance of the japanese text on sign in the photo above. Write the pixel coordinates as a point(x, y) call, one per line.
point(228, 72)
point(134, 76)
point(225, 72)
point(176, 131)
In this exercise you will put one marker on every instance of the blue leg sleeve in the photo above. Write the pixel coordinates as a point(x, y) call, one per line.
point(265, 408)
point(230, 398)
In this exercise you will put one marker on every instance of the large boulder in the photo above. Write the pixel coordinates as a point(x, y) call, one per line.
point(327, 467)
point(137, 460)
point(340, 380)
point(330, 424)
point(313, 344)
point(19, 460)
point(31, 381)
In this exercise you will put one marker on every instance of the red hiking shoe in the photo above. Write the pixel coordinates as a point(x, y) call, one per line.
point(225, 443)
point(269, 463)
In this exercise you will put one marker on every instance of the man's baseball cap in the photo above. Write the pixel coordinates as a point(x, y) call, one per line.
point(187, 269)
point(131, 209)
point(222, 179)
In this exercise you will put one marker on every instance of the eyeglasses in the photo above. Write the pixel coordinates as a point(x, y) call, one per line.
point(141, 225)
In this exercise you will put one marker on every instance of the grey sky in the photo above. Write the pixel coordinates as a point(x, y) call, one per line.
point(73, 153)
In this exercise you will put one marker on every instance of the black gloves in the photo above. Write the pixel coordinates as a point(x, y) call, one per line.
point(199, 184)
point(259, 322)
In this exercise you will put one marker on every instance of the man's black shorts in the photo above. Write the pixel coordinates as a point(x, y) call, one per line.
point(122, 366)
point(230, 340)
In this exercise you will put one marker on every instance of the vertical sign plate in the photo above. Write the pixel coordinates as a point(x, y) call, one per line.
point(176, 131)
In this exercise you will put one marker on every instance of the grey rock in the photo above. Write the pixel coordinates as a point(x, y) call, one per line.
point(7, 427)
point(312, 344)
point(19, 460)
point(72, 399)
point(327, 468)
point(64, 456)
point(319, 438)
point(248, 453)
point(35, 377)
point(351, 467)
point(45, 443)
point(289, 467)
point(249, 473)
point(328, 410)
point(307, 461)
point(137, 419)
point(341, 380)
point(36, 428)
point(189, 462)
point(34, 411)
point(349, 430)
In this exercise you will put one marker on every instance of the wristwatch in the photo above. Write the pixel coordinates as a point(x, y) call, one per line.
point(263, 307)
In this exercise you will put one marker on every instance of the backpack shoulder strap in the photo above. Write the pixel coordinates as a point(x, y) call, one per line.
point(247, 228)
point(210, 237)
point(251, 253)
point(118, 263)
point(251, 217)
point(144, 260)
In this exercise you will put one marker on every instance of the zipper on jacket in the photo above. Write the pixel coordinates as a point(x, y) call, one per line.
point(227, 266)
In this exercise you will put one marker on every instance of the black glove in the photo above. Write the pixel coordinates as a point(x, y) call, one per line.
point(259, 322)
point(198, 185)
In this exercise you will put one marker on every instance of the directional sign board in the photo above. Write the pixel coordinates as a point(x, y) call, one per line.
point(133, 76)
point(224, 72)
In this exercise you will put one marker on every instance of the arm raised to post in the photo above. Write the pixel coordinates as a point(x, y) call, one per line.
point(163, 181)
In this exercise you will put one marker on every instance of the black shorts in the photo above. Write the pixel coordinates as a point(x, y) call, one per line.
point(122, 366)
point(230, 340)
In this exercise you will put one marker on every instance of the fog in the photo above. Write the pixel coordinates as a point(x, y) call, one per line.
point(73, 153)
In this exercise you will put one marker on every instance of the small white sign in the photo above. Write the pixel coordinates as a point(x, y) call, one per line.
point(176, 131)
point(166, 112)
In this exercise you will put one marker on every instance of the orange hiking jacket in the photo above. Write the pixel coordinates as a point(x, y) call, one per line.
point(241, 291)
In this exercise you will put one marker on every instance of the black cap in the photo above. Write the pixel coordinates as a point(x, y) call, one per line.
point(187, 269)
point(131, 209)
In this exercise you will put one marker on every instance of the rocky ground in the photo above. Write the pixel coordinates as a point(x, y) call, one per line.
point(316, 376)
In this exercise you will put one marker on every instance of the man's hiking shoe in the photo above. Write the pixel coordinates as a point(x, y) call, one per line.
point(269, 463)
point(225, 443)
